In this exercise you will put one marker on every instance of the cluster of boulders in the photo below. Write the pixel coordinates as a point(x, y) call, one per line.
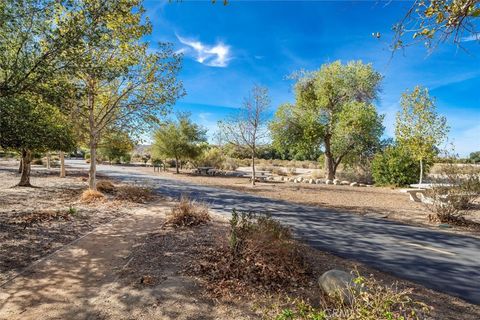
point(301, 179)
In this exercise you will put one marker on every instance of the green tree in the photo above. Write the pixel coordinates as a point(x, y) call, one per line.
point(394, 166)
point(181, 139)
point(29, 124)
point(120, 83)
point(475, 157)
point(40, 40)
point(434, 21)
point(116, 146)
point(333, 111)
point(419, 129)
point(248, 128)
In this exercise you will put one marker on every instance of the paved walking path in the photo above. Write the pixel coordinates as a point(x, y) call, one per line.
point(441, 261)
point(80, 280)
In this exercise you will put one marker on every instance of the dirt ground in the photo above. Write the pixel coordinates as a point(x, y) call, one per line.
point(118, 260)
point(35, 222)
point(380, 202)
point(165, 258)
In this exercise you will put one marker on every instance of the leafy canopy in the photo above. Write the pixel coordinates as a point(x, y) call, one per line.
point(333, 110)
point(419, 128)
point(180, 139)
point(435, 21)
point(27, 122)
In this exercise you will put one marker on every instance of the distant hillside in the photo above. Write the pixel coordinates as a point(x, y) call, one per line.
point(142, 149)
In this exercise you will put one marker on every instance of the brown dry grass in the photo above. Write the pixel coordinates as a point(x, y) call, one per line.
point(259, 256)
point(134, 193)
point(188, 213)
point(90, 196)
point(105, 186)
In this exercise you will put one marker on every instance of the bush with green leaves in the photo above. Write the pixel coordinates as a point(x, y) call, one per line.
point(395, 167)
point(374, 300)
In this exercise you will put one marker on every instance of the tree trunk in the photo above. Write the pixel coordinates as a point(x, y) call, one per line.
point(48, 160)
point(20, 167)
point(62, 164)
point(421, 171)
point(329, 161)
point(253, 169)
point(92, 173)
point(176, 165)
point(26, 167)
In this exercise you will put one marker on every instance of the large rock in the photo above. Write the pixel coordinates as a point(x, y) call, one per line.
point(339, 284)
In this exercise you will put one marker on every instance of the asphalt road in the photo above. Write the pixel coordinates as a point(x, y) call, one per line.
point(438, 260)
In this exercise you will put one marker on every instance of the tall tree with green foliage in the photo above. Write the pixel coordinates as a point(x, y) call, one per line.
point(181, 139)
point(120, 81)
point(333, 110)
point(419, 128)
point(40, 40)
point(29, 124)
point(248, 128)
point(116, 145)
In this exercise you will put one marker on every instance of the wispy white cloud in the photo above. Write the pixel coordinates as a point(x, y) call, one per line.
point(473, 37)
point(217, 55)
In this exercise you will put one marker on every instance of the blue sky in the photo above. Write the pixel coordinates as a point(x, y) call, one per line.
point(230, 48)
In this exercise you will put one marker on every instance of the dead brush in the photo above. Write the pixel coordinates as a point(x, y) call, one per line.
point(261, 256)
point(40, 216)
point(91, 195)
point(105, 186)
point(134, 194)
point(188, 213)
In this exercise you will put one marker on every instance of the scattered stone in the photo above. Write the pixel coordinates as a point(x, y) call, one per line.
point(311, 181)
point(336, 181)
point(328, 182)
point(318, 181)
point(362, 185)
point(354, 184)
point(338, 283)
point(344, 183)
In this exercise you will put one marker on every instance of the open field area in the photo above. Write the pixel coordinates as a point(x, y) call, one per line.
point(382, 202)
point(154, 272)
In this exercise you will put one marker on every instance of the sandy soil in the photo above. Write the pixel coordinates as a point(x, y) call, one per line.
point(73, 267)
point(375, 201)
point(35, 222)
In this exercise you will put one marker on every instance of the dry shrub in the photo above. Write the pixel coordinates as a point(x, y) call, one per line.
point(261, 256)
point(134, 194)
point(371, 300)
point(188, 213)
point(105, 186)
point(91, 195)
point(43, 216)
point(454, 195)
